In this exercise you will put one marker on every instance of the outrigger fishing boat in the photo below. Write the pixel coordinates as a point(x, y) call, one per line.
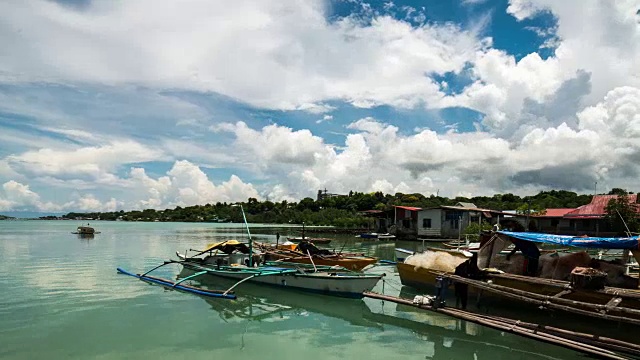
point(235, 260)
point(573, 283)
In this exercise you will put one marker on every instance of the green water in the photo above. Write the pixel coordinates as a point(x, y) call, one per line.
point(61, 298)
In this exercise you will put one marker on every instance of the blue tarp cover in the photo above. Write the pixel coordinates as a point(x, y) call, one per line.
point(577, 241)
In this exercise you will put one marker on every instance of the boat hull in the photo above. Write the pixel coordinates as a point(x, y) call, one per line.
point(330, 283)
point(416, 277)
point(503, 288)
point(377, 236)
point(311, 240)
point(402, 254)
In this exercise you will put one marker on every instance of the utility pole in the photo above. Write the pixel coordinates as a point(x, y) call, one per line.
point(595, 189)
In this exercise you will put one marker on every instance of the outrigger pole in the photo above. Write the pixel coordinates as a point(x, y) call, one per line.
point(177, 285)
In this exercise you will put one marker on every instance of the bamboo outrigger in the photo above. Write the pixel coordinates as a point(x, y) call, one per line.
point(177, 285)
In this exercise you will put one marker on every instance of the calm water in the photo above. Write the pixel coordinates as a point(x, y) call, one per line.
point(60, 298)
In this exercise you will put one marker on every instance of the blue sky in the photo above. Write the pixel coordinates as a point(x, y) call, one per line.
point(120, 105)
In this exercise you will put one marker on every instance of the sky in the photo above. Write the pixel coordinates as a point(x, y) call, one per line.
point(118, 105)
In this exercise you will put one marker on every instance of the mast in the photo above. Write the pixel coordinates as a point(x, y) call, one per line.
point(249, 234)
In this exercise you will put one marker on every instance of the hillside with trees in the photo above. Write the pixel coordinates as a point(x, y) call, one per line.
point(340, 211)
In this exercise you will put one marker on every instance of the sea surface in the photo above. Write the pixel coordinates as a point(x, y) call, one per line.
point(61, 298)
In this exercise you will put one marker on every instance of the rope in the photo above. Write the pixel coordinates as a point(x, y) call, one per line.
point(389, 283)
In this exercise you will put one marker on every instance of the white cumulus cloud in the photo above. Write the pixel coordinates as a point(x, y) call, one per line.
point(279, 55)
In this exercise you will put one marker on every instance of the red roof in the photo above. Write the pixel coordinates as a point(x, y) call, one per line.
point(596, 208)
point(410, 208)
point(556, 212)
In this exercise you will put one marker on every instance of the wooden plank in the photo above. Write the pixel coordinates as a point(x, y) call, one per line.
point(563, 293)
point(551, 302)
point(623, 293)
point(611, 304)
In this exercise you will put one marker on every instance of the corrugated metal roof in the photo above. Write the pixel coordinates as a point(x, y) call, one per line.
point(559, 212)
point(467, 205)
point(597, 206)
point(410, 208)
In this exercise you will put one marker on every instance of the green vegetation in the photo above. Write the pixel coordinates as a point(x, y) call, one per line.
point(622, 214)
point(340, 211)
point(3, 217)
point(474, 229)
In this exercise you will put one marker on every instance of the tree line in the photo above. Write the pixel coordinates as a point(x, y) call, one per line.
point(340, 211)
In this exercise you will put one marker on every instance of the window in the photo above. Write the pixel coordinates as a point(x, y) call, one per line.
point(453, 215)
point(426, 223)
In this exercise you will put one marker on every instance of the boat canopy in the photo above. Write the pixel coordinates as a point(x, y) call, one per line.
point(228, 247)
point(632, 243)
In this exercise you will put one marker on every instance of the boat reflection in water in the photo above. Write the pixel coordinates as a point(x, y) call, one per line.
point(86, 236)
point(260, 302)
point(443, 336)
point(450, 338)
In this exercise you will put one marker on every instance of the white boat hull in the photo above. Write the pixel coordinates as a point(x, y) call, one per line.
point(402, 254)
point(377, 236)
point(331, 283)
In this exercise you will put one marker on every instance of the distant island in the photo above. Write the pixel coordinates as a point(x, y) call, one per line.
point(340, 210)
point(3, 217)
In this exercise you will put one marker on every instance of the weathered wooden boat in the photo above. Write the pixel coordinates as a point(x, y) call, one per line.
point(420, 269)
point(403, 254)
point(287, 245)
point(314, 240)
point(307, 253)
point(85, 230)
point(355, 263)
point(553, 283)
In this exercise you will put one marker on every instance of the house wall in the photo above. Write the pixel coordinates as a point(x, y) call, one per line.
point(454, 222)
point(406, 223)
point(435, 217)
point(568, 226)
